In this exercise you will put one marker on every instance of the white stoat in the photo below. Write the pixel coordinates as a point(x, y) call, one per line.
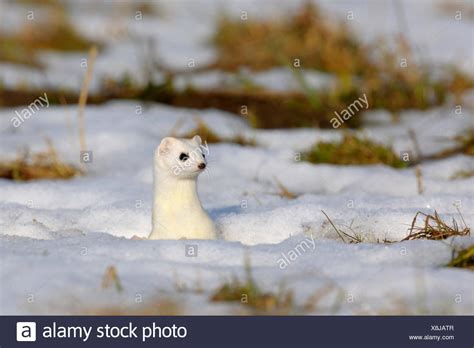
point(177, 211)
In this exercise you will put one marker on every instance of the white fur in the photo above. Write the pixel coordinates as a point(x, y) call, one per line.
point(177, 211)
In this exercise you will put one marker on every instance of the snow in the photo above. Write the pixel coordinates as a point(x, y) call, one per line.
point(44, 224)
point(58, 237)
point(380, 278)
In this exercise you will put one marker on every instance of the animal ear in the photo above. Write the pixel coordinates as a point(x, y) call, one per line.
point(165, 145)
point(197, 139)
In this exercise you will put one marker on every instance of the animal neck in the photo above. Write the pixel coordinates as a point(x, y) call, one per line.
point(175, 194)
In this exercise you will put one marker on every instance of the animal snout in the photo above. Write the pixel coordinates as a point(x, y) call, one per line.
point(202, 165)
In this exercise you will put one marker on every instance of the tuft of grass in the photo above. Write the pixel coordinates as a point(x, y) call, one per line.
point(43, 165)
point(206, 134)
point(242, 140)
point(466, 142)
point(353, 150)
point(249, 294)
point(156, 306)
point(462, 174)
point(12, 51)
point(55, 33)
point(434, 228)
point(463, 258)
point(345, 237)
point(283, 191)
point(111, 278)
point(209, 136)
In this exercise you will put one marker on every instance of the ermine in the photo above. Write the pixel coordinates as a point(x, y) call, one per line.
point(177, 211)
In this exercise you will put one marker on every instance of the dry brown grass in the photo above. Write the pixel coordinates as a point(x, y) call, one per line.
point(323, 44)
point(111, 278)
point(353, 150)
point(254, 301)
point(308, 35)
point(450, 8)
point(345, 236)
point(466, 142)
point(249, 294)
point(434, 228)
point(283, 191)
point(419, 179)
point(11, 51)
point(209, 136)
point(43, 165)
point(54, 32)
point(83, 98)
point(266, 109)
point(462, 174)
point(156, 306)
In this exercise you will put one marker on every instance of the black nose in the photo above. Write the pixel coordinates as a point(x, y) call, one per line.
point(202, 165)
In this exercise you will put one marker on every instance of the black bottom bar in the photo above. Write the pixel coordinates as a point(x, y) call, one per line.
point(197, 331)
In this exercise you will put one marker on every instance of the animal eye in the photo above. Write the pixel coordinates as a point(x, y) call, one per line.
point(183, 157)
point(203, 156)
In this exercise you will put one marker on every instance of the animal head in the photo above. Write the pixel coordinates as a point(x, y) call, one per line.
point(182, 158)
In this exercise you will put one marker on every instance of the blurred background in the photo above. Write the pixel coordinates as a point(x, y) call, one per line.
point(403, 55)
point(285, 65)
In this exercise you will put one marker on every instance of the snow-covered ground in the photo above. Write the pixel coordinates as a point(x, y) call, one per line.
point(57, 238)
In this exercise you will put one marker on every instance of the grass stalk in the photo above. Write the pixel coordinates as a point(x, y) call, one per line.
point(83, 97)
